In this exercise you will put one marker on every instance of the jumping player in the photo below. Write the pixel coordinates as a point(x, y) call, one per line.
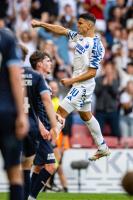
point(88, 55)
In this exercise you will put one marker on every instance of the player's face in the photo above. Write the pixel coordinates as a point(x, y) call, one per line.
point(47, 65)
point(83, 26)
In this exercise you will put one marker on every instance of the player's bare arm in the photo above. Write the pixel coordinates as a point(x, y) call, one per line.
point(46, 99)
point(21, 121)
point(50, 27)
point(83, 77)
point(43, 131)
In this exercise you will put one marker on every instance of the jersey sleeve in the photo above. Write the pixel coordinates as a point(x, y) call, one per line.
point(97, 54)
point(43, 86)
point(14, 53)
point(72, 35)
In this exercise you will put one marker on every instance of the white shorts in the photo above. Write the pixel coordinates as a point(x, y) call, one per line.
point(78, 98)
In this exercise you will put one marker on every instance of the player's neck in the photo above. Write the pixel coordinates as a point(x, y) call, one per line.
point(89, 33)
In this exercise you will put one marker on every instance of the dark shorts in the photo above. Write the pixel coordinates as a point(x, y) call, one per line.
point(44, 153)
point(29, 145)
point(10, 146)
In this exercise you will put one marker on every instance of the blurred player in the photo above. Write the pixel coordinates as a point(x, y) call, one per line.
point(89, 52)
point(44, 162)
point(13, 121)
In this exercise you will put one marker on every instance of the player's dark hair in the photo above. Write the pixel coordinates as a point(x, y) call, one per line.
point(130, 63)
point(38, 56)
point(88, 16)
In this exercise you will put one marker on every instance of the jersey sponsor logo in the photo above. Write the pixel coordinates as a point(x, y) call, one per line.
point(26, 105)
point(50, 156)
point(27, 79)
point(79, 48)
point(73, 93)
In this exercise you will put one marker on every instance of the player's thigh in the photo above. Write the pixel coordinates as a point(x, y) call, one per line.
point(44, 153)
point(61, 111)
point(27, 162)
point(85, 116)
point(29, 145)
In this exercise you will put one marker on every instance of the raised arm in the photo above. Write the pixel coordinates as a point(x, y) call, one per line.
point(50, 27)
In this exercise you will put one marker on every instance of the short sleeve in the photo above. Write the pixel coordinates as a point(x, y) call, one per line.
point(97, 53)
point(72, 35)
point(43, 86)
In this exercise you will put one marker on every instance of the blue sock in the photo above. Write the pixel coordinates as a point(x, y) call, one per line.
point(42, 178)
point(26, 184)
point(16, 192)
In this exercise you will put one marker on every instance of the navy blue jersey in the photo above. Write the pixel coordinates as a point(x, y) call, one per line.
point(42, 112)
point(8, 57)
point(35, 85)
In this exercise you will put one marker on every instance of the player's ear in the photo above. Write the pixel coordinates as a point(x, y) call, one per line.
point(90, 24)
point(39, 65)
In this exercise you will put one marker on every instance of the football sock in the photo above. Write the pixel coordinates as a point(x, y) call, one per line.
point(96, 133)
point(26, 183)
point(65, 189)
point(52, 179)
point(39, 183)
point(16, 192)
point(33, 179)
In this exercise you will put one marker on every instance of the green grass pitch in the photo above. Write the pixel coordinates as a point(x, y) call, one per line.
point(76, 196)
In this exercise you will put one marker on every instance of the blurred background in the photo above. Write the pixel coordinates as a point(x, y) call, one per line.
point(112, 103)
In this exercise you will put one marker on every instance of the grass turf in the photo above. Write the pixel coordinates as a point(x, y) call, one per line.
point(76, 196)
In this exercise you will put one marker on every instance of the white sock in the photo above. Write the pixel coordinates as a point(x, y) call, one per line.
point(96, 133)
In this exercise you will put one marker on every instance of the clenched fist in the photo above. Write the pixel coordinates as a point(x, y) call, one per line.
point(35, 23)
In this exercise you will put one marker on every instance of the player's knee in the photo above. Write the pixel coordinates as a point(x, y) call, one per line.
point(85, 116)
point(51, 168)
point(15, 175)
point(27, 163)
point(37, 169)
point(63, 113)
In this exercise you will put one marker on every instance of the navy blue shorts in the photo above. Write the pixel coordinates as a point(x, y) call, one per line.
point(29, 145)
point(10, 146)
point(44, 153)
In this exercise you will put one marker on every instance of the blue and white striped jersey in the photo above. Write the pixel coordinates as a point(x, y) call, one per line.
point(89, 52)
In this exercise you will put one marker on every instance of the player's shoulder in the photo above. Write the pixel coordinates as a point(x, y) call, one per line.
point(98, 45)
point(36, 75)
point(72, 34)
point(6, 34)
